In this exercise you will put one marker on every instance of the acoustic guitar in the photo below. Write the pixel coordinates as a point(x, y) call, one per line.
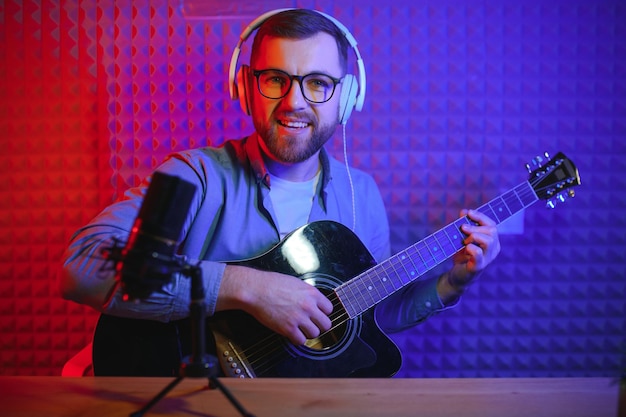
point(329, 256)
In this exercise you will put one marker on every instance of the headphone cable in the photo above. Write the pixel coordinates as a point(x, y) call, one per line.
point(345, 158)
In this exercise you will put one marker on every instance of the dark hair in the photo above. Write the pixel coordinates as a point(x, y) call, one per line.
point(301, 24)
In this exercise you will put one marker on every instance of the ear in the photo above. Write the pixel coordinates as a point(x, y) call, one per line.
point(349, 88)
point(243, 78)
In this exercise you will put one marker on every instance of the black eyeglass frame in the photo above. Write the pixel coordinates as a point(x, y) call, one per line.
point(299, 78)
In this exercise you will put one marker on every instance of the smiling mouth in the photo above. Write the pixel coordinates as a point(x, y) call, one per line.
point(293, 124)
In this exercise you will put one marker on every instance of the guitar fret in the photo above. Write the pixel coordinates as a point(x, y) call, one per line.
point(389, 272)
point(362, 301)
point(387, 282)
point(384, 271)
point(500, 210)
point(348, 298)
point(487, 210)
point(425, 254)
point(526, 190)
point(513, 201)
point(453, 231)
point(444, 243)
point(413, 271)
point(434, 248)
point(409, 274)
point(401, 278)
point(412, 252)
point(372, 289)
point(365, 299)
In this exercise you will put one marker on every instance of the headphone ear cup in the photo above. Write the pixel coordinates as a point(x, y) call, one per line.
point(242, 88)
point(349, 88)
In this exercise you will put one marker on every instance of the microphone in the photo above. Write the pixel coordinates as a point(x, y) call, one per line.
point(149, 258)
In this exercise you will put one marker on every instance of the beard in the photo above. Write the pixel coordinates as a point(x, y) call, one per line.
point(292, 149)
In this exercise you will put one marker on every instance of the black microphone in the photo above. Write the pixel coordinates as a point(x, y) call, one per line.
point(149, 258)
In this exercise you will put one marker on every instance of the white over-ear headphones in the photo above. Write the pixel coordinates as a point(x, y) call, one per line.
point(352, 92)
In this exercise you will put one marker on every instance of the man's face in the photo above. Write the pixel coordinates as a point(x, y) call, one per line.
point(293, 129)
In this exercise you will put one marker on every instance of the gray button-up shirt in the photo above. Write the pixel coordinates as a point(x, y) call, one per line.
point(231, 218)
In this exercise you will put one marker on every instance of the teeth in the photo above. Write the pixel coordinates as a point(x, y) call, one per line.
point(294, 124)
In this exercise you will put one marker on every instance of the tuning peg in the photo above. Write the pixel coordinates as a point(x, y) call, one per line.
point(537, 161)
point(559, 198)
point(534, 164)
point(531, 166)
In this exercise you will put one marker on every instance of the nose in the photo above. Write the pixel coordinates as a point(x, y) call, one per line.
point(294, 98)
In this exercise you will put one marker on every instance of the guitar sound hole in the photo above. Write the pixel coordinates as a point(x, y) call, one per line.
point(328, 339)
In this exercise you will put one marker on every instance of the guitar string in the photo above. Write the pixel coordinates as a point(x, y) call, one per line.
point(264, 348)
point(264, 358)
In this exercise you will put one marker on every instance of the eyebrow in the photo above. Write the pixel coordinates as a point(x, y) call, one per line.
point(303, 75)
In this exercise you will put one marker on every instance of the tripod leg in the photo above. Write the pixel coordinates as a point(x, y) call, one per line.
point(157, 398)
point(213, 381)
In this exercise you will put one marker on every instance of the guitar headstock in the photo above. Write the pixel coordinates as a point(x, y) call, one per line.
point(553, 180)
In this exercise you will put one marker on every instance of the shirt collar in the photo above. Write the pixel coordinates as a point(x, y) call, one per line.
point(256, 160)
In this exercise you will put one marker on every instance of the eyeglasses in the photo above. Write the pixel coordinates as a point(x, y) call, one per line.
point(315, 87)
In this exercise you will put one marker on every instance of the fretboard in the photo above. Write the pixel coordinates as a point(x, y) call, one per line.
point(379, 282)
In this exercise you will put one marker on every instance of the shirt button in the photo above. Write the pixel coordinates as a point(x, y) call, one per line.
point(427, 303)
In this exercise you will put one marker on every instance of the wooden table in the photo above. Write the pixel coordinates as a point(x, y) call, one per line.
point(502, 397)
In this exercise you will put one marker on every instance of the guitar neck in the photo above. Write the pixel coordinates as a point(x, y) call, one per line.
point(379, 282)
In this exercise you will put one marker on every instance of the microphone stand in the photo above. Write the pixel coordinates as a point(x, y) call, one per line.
point(198, 364)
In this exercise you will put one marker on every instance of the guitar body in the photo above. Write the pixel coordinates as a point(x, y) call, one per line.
point(324, 254)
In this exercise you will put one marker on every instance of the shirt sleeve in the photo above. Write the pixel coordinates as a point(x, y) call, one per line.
point(410, 306)
point(172, 301)
point(85, 260)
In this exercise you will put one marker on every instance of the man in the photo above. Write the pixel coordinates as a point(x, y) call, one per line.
point(254, 191)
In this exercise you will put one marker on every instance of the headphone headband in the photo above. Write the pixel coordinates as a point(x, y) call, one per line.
point(232, 72)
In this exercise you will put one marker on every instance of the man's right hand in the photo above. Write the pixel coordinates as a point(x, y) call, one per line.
point(282, 303)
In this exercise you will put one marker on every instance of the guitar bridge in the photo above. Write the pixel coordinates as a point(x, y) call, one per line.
point(232, 362)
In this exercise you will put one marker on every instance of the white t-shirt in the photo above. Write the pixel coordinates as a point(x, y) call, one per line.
point(292, 202)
